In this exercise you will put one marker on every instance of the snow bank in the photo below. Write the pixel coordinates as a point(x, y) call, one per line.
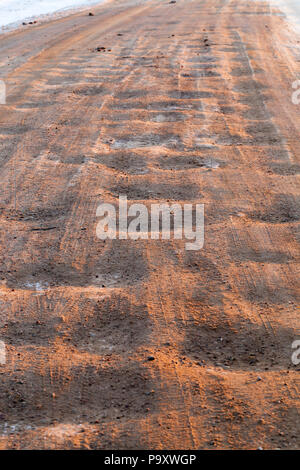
point(13, 12)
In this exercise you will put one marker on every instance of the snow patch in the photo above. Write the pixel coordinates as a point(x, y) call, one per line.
point(13, 12)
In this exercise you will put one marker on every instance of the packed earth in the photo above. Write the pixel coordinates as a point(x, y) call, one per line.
point(142, 344)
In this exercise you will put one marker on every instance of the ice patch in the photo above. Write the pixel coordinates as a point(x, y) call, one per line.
point(37, 286)
point(7, 429)
point(211, 163)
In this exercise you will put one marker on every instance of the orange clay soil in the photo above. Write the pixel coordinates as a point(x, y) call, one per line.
point(188, 102)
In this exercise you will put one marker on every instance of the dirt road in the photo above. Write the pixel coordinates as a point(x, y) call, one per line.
point(186, 102)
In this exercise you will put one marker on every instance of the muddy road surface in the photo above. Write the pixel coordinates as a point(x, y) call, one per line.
point(132, 344)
